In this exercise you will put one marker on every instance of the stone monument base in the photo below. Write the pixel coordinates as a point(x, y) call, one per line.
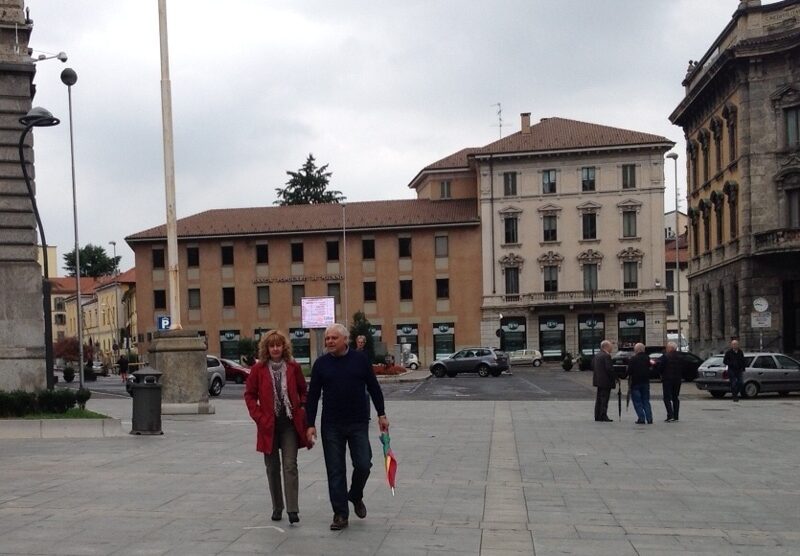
point(181, 356)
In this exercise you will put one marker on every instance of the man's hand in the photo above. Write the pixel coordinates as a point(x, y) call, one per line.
point(311, 437)
point(383, 423)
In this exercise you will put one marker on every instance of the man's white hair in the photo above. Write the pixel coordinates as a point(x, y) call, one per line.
point(339, 329)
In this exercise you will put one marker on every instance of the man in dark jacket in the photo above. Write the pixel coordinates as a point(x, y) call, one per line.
point(670, 366)
point(603, 380)
point(734, 359)
point(639, 373)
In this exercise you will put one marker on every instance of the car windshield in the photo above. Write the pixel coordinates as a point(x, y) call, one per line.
point(713, 362)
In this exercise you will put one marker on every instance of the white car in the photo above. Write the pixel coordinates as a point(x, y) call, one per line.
point(412, 361)
point(525, 357)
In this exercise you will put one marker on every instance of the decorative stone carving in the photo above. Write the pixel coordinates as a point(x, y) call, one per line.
point(590, 256)
point(550, 259)
point(717, 200)
point(631, 254)
point(549, 210)
point(628, 205)
point(589, 207)
point(731, 189)
point(512, 260)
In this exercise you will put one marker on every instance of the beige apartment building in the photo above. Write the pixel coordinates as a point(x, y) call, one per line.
point(410, 265)
point(677, 279)
point(572, 250)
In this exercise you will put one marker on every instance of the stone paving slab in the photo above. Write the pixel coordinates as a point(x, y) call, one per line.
point(489, 478)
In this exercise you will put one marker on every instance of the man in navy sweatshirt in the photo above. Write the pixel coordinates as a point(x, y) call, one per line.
point(343, 376)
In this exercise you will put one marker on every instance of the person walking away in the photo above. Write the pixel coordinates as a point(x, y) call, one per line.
point(275, 394)
point(343, 377)
point(734, 360)
point(671, 376)
point(604, 380)
point(123, 364)
point(639, 374)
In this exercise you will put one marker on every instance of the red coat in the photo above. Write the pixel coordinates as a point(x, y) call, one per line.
point(259, 397)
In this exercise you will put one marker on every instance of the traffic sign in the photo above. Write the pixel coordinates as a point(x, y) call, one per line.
point(761, 320)
point(760, 304)
point(163, 322)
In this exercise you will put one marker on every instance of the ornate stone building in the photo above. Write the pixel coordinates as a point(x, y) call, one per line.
point(741, 115)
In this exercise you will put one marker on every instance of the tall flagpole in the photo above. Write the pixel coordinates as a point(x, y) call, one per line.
point(169, 171)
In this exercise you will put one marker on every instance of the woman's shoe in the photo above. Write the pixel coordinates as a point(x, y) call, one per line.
point(640, 422)
point(277, 515)
point(293, 517)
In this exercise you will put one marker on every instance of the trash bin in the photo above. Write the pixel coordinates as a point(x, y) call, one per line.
point(146, 391)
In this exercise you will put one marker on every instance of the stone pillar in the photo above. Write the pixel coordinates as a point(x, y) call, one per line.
point(22, 357)
point(181, 356)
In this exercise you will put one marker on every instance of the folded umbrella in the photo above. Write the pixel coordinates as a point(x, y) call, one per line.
point(628, 397)
point(619, 397)
point(389, 461)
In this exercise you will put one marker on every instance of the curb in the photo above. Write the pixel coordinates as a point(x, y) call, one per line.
point(60, 428)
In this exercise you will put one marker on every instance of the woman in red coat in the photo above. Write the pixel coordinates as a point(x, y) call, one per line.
point(275, 394)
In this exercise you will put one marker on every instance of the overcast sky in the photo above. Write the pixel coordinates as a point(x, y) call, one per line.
point(378, 90)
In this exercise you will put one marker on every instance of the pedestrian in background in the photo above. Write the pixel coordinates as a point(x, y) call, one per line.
point(343, 377)
point(734, 360)
point(639, 374)
point(604, 380)
point(361, 343)
point(671, 375)
point(275, 394)
point(123, 364)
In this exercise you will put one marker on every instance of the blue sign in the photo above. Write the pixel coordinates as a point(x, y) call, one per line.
point(163, 323)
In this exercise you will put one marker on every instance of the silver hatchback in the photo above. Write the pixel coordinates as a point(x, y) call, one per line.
point(765, 372)
point(482, 360)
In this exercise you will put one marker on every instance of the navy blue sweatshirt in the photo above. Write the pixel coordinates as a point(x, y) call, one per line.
point(343, 382)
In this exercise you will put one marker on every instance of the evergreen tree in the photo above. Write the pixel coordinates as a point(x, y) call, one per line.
point(362, 327)
point(95, 262)
point(308, 186)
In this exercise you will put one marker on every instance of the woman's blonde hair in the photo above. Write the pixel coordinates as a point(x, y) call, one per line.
point(274, 338)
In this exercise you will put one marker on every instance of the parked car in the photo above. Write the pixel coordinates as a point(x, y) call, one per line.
point(412, 361)
point(525, 357)
point(689, 362)
point(684, 343)
point(216, 377)
point(765, 372)
point(481, 360)
point(234, 371)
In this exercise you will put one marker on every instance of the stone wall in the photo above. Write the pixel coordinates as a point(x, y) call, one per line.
point(22, 360)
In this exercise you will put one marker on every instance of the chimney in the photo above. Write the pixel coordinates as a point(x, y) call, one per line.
point(526, 123)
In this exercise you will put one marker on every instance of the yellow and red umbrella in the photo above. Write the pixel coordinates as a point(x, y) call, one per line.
point(389, 461)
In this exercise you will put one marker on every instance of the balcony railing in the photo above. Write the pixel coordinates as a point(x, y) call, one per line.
point(783, 239)
point(577, 297)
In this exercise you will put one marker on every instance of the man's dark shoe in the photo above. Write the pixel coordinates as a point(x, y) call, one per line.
point(607, 420)
point(640, 422)
point(293, 517)
point(736, 399)
point(359, 508)
point(277, 515)
point(669, 420)
point(339, 523)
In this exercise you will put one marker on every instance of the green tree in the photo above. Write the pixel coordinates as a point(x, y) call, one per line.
point(248, 348)
point(361, 327)
point(308, 186)
point(95, 262)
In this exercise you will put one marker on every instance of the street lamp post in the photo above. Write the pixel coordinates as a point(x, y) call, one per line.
point(115, 346)
point(344, 262)
point(69, 78)
point(676, 281)
point(39, 117)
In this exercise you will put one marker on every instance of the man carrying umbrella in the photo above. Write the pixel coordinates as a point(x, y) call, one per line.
point(603, 380)
point(343, 377)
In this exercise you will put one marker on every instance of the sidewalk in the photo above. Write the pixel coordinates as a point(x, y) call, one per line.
point(490, 478)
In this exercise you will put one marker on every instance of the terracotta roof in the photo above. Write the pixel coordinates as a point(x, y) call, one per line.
point(456, 160)
point(683, 250)
point(298, 219)
point(66, 285)
point(552, 134)
point(127, 277)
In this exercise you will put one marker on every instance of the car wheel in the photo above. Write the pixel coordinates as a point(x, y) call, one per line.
point(496, 372)
point(537, 362)
point(783, 394)
point(717, 394)
point(438, 371)
point(483, 370)
point(216, 387)
point(413, 366)
point(750, 390)
point(239, 380)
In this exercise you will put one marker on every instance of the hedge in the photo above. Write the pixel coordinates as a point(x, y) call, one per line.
point(19, 403)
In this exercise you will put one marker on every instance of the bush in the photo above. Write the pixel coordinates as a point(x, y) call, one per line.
point(388, 370)
point(55, 401)
point(585, 362)
point(82, 396)
point(17, 403)
point(69, 374)
point(567, 362)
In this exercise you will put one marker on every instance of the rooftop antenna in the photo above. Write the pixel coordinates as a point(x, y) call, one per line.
point(499, 117)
